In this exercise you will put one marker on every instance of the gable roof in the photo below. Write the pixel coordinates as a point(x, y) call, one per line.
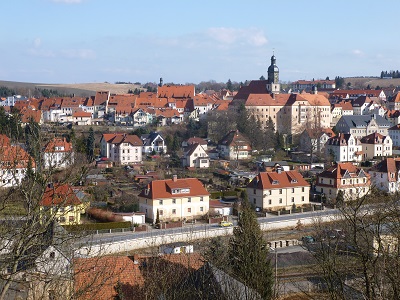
point(176, 91)
point(159, 189)
point(373, 138)
point(194, 140)
point(14, 157)
point(339, 170)
point(149, 138)
point(278, 179)
point(361, 121)
point(342, 139)
point(234, 137)
point(388, 165)
point(81, 114)
point(58, 143)
point(118, 138)
point(59, 194)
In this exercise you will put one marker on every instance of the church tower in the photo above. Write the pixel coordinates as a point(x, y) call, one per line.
point(273, 85)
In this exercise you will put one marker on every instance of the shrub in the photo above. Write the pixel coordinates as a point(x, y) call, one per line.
point(103, 215)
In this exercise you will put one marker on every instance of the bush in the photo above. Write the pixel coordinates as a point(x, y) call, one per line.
point(103, 215)
point(97, 226)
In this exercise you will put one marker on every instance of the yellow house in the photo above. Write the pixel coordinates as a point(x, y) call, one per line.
point(175, 199)
point(60, 201)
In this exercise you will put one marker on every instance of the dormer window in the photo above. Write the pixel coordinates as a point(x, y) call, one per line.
point(275, 182)
point(294, 181)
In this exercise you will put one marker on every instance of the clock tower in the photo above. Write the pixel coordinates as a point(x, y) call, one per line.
point(273, 85)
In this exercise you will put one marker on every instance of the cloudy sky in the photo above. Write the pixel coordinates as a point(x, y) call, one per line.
point(78, 41)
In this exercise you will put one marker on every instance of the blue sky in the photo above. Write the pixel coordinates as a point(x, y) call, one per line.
point(78, 41)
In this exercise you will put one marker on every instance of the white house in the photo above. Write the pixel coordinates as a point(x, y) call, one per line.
point(344, 147)
point(195, 157)
point(121, 148)
point(82, 118)
point(234, 146)
point(385, 175)
point(58, 154)
point(153, 142)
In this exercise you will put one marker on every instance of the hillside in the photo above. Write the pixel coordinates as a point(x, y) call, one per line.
point(373, 82)
point(79, 89)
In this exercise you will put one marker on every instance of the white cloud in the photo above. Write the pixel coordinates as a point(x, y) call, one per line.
point(68, 1)
point(251, 36)
point(358, 52)
point(37, 42)
point(79, 53)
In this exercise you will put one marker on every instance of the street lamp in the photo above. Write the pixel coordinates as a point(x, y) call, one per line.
point(276, 270)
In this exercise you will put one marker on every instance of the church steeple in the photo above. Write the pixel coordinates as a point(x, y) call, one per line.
point(273, 76)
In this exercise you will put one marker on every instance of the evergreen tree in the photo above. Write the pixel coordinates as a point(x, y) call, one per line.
point(32, 132)
point(248, 253)
point(229, 85)
point(262, 77)
point(269, 135)
point(242, 119)
point(90, 145)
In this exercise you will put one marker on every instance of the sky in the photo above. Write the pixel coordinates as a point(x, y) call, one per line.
point(82, 41)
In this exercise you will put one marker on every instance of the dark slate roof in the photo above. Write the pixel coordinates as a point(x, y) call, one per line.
point(149, 138)
point(361, 121)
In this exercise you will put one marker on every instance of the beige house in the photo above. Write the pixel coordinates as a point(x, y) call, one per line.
point(278, 189)
point(376, 145)
point(174, 199)
point(82, 118)
point(353, 181)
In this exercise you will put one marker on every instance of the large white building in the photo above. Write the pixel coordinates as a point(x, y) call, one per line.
point(58, 154)
point(278, 189)
point(385, 175)
point(174, 199)
point(344, 147)
point(122, 149)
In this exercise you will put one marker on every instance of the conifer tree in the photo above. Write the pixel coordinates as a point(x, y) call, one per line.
point(248, 253)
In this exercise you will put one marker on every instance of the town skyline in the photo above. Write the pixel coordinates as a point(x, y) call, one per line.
point(77, 41)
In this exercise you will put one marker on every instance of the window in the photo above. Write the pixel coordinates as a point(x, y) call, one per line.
point(174, 211)
point(189, 200)
point(160, 202)
point(292, 190)
point(254, 191)
point(280, 191)
point(173, 201)
point(292, 199)
point(280, 200)
point(201, 208)
point(161, 212)
point(52, 255)
point(254, 200)
point(302, 198)
point(189, 209)
point(201, 199)
point(270, 202)
point(71, 218)
point(302, 189)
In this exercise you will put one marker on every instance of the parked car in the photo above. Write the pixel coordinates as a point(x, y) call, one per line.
point(225, 224)
point(307, 239)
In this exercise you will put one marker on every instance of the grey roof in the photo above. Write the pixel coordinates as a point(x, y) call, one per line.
point(360, 121)
point(149, 138)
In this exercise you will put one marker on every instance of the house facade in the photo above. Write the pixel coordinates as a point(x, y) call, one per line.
point(376, 145)
point(60, 200)
point(174, 199)
point(234, 146)
point(153, 142)
point(278, 189)
point(344, 147)
point(122, 149)
point(195, 157)
point(363, 125)
point(394, 133)
point(58, 154)
point(352, 181)
point(385, 175)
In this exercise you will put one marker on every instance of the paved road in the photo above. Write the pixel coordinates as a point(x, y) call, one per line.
point(190, 228)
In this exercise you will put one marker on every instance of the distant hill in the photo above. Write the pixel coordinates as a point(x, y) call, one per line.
point(78, 89)
point(373, 82)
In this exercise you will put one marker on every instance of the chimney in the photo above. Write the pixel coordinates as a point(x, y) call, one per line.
point(174, 178)
point(161, 82)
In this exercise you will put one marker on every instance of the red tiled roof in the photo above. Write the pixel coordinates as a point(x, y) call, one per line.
point(176, 91)
point(159, 189)
point(59, 194)
point(82, 114)
point(274, 180)
point(194, 140)
point(14, 157)
point(59, 143)
point(118, 138)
